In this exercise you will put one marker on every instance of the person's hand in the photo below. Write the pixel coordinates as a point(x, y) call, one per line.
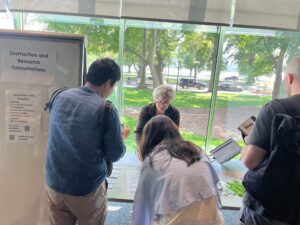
point(125, 131)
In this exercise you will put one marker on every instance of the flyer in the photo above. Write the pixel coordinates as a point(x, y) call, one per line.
point(22, 116)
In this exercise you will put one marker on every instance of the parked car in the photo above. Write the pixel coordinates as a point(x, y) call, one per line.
point(229, 87)
point(185, 83)
point(233, 78)
point(148, 81)
point(200, 85)
point(260, 90)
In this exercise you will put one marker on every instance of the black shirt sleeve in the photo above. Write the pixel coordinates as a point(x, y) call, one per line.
point(176, 117)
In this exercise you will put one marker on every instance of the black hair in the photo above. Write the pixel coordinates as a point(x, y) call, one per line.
point(162, 128)
point(102, 70)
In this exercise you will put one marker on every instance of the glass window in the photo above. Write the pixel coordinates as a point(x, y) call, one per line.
point(252, 75)
point(180, 55)
point(102, 35)
point(184, 56)
point(6, 21)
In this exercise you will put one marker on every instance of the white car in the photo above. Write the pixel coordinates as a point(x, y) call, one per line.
point(149, 81)
point(260, 90)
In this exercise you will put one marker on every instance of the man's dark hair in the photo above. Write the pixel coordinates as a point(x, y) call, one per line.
point(102, 70)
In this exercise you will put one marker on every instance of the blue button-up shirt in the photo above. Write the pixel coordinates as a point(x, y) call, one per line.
point(77, 146)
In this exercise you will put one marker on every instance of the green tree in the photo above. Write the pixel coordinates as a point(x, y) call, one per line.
point(166, 50)
point(101, 40)
point(262, 55)
point(154, 48)
point(197, 51)
point(136, 49)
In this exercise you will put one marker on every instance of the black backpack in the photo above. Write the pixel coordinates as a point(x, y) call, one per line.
point(276, 183)
point(106, 108)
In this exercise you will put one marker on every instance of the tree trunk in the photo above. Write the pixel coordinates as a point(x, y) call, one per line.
point(195, 73)
point(129, 68)
point(213, 65)
point(155, 38)
point(168, 73)
point(178, 72)
point(159, 67)
point(278, 71)
point(191, 70)
point(137, 69)
point(142, 72)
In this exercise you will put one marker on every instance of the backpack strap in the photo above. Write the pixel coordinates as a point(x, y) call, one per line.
point(49, 104)
point(105, 110)
point(104, 113)
point(289, 107)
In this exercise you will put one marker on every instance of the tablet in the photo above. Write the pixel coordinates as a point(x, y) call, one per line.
point(226, 151)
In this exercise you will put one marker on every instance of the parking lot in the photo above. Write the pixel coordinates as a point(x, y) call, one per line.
point(250, 90)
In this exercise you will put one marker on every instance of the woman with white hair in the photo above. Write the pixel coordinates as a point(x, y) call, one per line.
point(163, 96)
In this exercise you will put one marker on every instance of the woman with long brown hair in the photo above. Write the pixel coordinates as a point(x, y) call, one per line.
point(177, 182)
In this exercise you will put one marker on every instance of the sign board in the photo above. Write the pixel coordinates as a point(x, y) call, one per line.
point(32, 66)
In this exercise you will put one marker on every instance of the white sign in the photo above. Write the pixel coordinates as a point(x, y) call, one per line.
point(22, 116)
point(27, 65)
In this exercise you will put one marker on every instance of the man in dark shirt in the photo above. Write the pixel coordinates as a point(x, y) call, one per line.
point(258, 148)
point(79, 147)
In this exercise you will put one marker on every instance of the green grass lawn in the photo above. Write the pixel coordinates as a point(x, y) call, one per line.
point(187, 99)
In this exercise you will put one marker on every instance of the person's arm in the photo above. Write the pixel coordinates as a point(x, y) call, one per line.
point(253, 156)
point(143, 119)
point(113, 140)
point(259, 141)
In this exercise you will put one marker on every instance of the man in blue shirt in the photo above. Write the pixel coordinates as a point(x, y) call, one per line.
point(79, 147)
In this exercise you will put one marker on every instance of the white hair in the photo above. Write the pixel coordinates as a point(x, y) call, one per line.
point(294, 68)
point(162, 91)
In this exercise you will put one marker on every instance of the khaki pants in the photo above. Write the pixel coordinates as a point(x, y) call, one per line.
point(90, 209)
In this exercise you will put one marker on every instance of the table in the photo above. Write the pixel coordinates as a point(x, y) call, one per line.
point(124, 180)
point(227, 172)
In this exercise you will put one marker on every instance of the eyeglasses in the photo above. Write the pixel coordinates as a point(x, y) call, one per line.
point(163, 103)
